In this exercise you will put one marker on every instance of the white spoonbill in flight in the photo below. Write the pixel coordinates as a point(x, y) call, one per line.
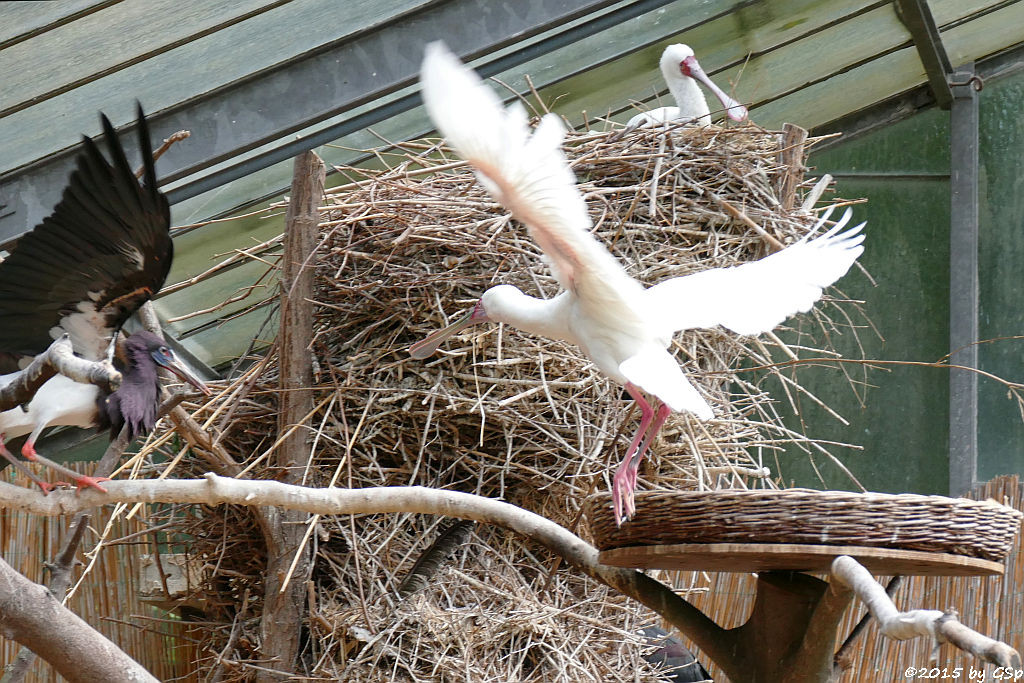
point(623, 327)
point(681, 72)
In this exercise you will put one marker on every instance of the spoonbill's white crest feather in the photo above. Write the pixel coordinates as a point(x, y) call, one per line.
point(757, 296)
point(530, 176)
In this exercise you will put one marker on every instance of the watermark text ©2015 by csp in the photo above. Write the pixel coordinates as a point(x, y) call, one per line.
point(961, 673)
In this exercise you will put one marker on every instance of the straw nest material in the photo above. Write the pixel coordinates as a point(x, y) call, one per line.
point(497, 412)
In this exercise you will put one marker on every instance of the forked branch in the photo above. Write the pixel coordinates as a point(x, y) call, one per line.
point(942, 627)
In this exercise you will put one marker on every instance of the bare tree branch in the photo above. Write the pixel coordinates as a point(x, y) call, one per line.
point(940, 626)
point(60, 568)
point(716, 642)
point(213, 489)
point(59, 358)
point(30, 614)
point(288, 553)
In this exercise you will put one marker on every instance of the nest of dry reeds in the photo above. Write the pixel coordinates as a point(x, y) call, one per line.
point(497, 412)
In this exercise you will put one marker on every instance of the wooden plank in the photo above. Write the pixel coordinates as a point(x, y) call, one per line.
point(82, 51)
point(571, 68)
point(986, 35)
point(948, 11)
point(284, 593)
point(759, 557)
point(830, 51)
point(891, 74)
point(757, 28)
point(846, 92)
point(190, 70)
point(22, 20)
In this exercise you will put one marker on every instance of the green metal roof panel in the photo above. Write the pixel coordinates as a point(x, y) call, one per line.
point(22, 20)
point(167, 77)
point(82, 51)
point(985, 35)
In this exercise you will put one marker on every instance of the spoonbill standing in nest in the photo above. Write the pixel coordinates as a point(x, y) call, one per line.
point(622, 327)
point(682, 71)
point(104, 251)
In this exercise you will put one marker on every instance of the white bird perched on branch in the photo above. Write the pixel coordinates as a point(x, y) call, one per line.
point(623, 327)
point(681, 71)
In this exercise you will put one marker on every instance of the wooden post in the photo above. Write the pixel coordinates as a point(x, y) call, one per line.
point(792, 157)
point(284, 611)
point(767, 644)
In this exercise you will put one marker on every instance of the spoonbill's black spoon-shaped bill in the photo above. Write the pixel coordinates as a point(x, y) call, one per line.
point(623, 327)
point(682, 71)
point(103, 252)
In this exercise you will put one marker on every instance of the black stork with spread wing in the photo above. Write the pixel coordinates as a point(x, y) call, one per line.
point(104, 251)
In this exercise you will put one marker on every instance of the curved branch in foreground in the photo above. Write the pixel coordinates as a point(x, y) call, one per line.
point(64, 562)
point(713, 640)
point(58, 358)
point(940, 626)
point(34, 617)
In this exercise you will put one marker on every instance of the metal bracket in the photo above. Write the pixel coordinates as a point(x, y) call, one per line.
point(975, 81)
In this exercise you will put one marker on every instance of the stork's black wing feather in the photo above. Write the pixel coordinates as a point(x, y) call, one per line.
point(103, 252)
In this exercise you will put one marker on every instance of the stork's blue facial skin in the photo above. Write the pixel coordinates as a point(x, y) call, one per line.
point(164, 357)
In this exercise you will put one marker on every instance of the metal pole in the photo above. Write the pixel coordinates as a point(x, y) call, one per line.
point(963, 281)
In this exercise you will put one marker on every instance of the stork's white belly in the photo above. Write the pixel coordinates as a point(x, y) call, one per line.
point(60, 401)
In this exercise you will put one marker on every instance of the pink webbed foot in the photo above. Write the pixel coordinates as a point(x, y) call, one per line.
point(623, 486)
point(45, 486)
point(80, 480)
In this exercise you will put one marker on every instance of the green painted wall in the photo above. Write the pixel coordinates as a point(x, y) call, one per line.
point(902, 423)
point(1000, 426)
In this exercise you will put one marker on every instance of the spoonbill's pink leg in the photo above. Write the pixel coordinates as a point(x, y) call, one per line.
point(628, 472)
point(81, 481)
point(45, 486)
point(625, 478)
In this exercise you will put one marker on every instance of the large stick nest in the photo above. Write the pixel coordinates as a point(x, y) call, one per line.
point(498, 412)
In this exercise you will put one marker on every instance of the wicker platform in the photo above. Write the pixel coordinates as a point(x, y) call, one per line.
point(934, 524)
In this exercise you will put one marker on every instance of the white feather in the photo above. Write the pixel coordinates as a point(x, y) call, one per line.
point(757, 296)
point(530, 176)
point(624, 329)
point(657, 372)
point(60, 401)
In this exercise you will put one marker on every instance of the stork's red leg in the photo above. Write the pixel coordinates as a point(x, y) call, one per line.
point(81, 481)
point(18, 465)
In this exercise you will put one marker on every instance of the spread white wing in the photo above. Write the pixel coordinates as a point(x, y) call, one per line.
point(757, 296)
